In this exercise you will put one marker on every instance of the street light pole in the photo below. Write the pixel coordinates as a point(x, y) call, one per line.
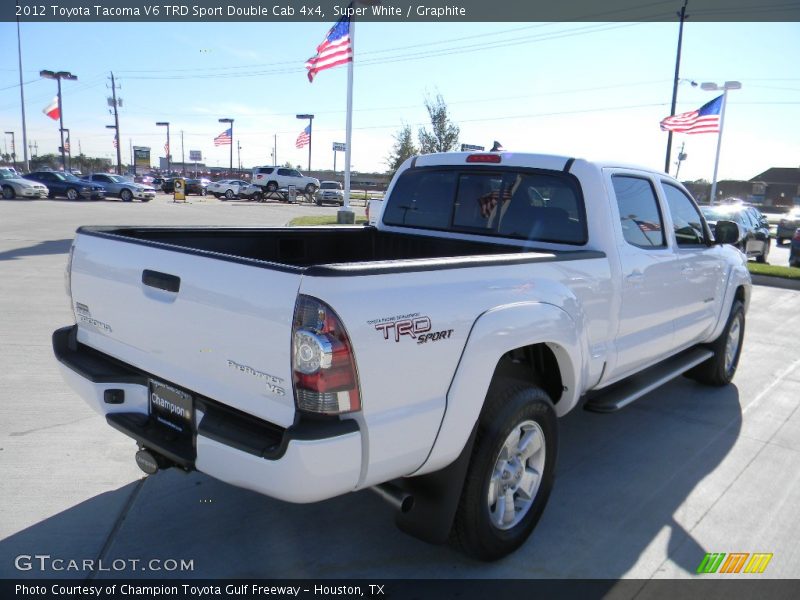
point(710, 87)
point(68, 149)
point(310, 123)
point(166, 124)
point(13, 149)
point(229, 121)
point(58, 76)
point(25, 165)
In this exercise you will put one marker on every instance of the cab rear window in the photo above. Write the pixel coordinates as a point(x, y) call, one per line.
point(527, 205)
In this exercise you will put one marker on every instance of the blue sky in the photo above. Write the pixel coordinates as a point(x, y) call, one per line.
point(592, 90)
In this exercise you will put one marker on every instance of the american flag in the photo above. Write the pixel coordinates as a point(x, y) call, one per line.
point(224, 138)
point(66, 144)
point(304, 138)
point(703, 120)
point(334, 50)
point(166, 149)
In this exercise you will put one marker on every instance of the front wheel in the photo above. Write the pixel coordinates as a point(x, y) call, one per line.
point(311, 188)
point(126, 195)
point(229, 194)
point(8, 192)
point(721, 367)
point(272, 186)
point(510, 473)
point(72, 194)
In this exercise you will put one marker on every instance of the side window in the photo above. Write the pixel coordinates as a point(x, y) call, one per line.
point(266, 171)
point(423, 199)
point(686, 221)
point(639, 214)
point(294, 173)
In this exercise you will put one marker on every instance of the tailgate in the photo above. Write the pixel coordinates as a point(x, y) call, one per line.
point(225, 333)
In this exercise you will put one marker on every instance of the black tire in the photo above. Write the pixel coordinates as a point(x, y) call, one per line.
point(216, 195)
point(257, 197)
point(762, 258)
point(718, 370)
point(318, 201)
point(8, 192)
point(72, 194)
point(145, 199)
point(311, 188)
point(272, 186)
point(509, 405)
point(126, 195)
point(229, 194)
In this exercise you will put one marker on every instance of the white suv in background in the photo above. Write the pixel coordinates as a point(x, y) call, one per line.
point(275, 178)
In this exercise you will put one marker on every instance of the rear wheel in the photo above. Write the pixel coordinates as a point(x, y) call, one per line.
point(762, 258)
point(8, 192)
point(510, 473)
point(721, 367)
point(257, 197)
point(272, 186)
point(126, 195)
point(72, 194)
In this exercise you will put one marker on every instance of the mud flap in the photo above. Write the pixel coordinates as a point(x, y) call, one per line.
point(436, 496)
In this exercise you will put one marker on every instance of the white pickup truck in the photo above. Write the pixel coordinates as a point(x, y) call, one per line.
point(428, 357)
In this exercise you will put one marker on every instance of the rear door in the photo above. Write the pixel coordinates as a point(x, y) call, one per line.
point(216, 327)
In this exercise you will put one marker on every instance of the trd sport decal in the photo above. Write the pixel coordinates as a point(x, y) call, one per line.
point(415, 326)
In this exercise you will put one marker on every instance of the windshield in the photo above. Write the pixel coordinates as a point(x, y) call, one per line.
point(524, 205)
point(6, 174)
point(716, 214)
point(117, 178)
point(330, 185)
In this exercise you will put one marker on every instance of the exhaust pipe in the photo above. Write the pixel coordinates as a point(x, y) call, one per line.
point(400, 499)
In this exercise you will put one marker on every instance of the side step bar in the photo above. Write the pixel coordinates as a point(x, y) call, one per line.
point(619, 395)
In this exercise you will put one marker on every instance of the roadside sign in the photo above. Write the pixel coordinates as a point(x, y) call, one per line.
point(179, 192)
point(195, 155)
point(472, 148)
point(292, 193)
point(339, 147)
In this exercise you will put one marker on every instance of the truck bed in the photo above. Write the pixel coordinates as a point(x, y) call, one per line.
point(353, 250)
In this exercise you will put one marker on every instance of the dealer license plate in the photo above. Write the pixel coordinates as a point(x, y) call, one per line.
point(171, 407)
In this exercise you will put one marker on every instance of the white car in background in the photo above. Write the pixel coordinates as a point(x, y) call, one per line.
point(226, 187)
point(329, 191)
point(273, 178)
point(12, 185)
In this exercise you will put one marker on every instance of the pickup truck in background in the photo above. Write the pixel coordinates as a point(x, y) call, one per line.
point(427, 357)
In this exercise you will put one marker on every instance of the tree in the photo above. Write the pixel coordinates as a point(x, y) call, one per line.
point(403, 148)
point(443, 136)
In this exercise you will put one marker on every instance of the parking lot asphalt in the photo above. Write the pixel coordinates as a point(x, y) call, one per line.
point(643, 493)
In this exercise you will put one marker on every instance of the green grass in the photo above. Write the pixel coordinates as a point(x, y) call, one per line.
point(321, 220)
point(774, 271)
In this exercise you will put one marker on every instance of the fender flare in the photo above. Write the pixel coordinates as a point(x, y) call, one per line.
point(738, 277)
point(493, 334)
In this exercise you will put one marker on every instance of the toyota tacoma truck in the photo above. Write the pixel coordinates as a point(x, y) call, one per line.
point(428, 357)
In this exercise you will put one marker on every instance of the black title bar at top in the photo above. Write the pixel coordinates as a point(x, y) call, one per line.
point(65, 11)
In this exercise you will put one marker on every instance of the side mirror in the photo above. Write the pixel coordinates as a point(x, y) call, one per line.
point(727, 232)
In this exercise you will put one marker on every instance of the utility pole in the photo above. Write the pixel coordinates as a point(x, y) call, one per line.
point(116, 103)
point(682, 15)
point(183, 157)
point(239, 155)
point(681, 158)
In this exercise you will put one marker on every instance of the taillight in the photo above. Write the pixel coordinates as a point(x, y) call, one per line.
point(323, 365)
point(68, 274)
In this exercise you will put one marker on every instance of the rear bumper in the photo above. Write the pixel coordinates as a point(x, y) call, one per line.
point(307, 462)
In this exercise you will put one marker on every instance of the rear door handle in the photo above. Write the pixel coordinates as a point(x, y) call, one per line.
point(162, 281)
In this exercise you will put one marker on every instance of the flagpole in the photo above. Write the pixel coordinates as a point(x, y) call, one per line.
point(729, 85)
point(345, 214)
